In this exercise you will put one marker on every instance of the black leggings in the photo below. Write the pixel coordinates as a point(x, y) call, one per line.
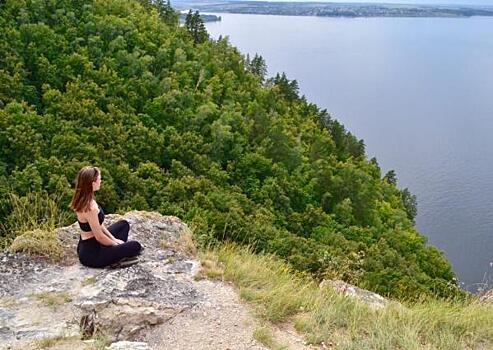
point(94, 254)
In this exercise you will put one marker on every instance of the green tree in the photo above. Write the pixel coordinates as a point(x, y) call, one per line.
point(257, 66)
point(410, 203)
point(186, 129)
point(167, 12)
point(195, 26)
point(391, 177)
point(288, 88)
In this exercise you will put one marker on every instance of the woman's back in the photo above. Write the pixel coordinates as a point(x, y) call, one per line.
point(83, 219)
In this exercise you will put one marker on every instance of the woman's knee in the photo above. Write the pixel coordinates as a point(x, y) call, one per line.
point(125, 225)
point(136, 245)
point(120, 229)
point(133, 247)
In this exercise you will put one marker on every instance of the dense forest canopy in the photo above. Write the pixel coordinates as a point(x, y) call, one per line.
point(188, 126)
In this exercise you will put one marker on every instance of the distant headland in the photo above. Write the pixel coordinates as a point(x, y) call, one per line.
point(324, 9)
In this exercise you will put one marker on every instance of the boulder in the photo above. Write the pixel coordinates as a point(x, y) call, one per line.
point(128, 345)
point(373, 299)
point(40, 299)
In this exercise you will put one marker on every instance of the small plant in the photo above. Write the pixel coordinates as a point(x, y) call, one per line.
point(349, 268)
point(211, 267)
point(52, 298)
point(38, 243)
point(48, 342)
point(183, 243)
point(100, 343)
point(97, 341)
point(32, 212)
point(265, 337)
point(89, 280)
point(70, 342)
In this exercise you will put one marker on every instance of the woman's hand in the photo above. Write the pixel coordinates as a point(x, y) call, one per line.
point(118, 241)
point(93, 220)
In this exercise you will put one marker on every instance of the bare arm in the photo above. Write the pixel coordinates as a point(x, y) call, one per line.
point(97, 229)
point(107, 233)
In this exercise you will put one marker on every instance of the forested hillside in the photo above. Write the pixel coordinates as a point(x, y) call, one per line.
point(188, 126)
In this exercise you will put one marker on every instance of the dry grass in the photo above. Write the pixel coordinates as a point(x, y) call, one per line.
point(49, 342)
point(68, 342)
point(38, 243)
point(89, 280)
point(52, 298)
point(35, 211)
point(210, 267)
point(324, 316)
point(183, 243)
point(8, 302)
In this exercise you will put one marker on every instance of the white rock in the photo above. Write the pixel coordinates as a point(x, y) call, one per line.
point(128, 345)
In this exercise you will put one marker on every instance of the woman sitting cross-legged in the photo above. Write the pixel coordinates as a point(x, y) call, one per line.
point(99, 246)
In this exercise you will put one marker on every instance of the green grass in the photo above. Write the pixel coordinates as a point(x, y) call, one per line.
point(322, 315)
point(266, 338)
point(280, 294)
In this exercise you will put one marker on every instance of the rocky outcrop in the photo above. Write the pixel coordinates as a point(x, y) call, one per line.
point(39, 299)
point(155, 304)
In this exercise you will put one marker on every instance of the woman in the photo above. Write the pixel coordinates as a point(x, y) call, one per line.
point(99, 246)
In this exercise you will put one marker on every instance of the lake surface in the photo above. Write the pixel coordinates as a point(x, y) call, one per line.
point(419, 91)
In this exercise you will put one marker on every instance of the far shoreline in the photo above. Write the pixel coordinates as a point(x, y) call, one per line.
point(338, 10)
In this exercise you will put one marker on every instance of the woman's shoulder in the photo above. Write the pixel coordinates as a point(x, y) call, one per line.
point(93, 209)
point(93, 206)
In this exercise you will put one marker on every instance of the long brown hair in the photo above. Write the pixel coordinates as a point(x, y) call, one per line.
point(83, 193)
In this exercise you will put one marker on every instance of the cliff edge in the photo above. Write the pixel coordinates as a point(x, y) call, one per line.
point(158, 303)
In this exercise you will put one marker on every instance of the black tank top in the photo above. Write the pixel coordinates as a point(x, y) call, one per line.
point(84, 226)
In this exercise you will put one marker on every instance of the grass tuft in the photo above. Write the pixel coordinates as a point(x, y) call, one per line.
point(38, 243)
point(87, 281)
point(210, 267)
point(48, 342)
point(62, 342)
point(264, 336)
point(52, 298)
point(183, 243)
point(35, 211)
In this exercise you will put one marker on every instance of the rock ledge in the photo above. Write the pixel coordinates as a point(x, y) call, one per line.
point(39, 299)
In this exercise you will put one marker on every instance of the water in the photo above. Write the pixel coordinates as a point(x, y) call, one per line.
point(419, 92)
